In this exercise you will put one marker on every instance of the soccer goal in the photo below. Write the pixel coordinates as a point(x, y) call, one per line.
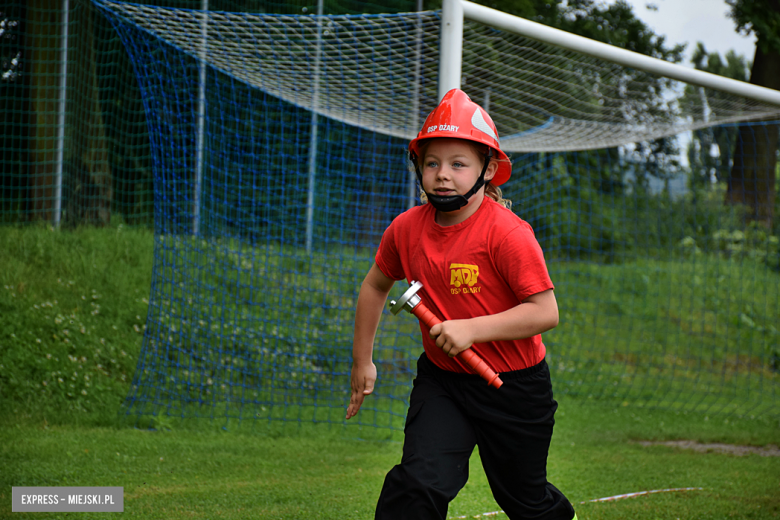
point(279, 150)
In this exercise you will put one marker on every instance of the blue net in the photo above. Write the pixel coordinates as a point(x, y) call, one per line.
point(268, 214)
point(245, 320)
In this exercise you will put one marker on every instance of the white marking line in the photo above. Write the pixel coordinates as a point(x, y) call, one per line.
point(605, 499)
point(638, 493)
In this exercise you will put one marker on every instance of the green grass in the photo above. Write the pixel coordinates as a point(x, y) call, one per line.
point(694, 339)
point(214, 474)
point(74, 308)
point(695, 333)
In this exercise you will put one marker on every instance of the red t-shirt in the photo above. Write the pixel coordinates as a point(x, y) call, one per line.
point(485, 265)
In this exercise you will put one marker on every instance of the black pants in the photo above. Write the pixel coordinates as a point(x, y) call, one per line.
point(451, 413)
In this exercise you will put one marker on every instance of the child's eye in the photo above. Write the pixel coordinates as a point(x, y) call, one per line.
point(431, 164)
point(458, 164)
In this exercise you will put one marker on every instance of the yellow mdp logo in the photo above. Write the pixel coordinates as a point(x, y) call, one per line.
point(463, 275)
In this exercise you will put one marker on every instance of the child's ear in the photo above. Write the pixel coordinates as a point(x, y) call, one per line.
point(491, 171)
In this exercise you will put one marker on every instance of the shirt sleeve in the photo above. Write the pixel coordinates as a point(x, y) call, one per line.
point(521, 262)
point(387, 258)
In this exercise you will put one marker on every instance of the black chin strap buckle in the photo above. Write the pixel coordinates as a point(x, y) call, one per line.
point(448, 203)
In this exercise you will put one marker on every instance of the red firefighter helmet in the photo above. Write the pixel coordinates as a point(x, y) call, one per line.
point(460, 118)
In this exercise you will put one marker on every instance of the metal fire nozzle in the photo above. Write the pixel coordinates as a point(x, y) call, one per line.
point(408, 300)
point(412, 302)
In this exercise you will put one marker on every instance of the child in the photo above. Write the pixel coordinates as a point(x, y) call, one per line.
point(484, 276)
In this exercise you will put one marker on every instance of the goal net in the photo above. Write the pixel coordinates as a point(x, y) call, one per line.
point(279, 150)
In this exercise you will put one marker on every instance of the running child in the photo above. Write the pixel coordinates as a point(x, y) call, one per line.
point(484, 276)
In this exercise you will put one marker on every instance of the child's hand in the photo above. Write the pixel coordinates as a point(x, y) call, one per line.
point(362, 382)
point(453, 336)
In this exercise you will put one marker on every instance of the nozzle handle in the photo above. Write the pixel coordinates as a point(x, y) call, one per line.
point(471, 358)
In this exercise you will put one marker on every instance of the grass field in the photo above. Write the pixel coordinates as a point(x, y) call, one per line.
point(184, 473)
point(75, 306)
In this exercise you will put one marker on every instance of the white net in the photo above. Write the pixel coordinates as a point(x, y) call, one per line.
point(354, 69)
point(379, 73)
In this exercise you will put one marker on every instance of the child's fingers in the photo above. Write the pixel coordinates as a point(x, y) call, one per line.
point(362, 383)
point(354, 404)
point(435, 331)
point(358, 395)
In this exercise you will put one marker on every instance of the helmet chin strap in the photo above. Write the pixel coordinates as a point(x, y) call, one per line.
point(453, 202)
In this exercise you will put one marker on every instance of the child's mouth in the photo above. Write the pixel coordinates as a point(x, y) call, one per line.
point(443, 192)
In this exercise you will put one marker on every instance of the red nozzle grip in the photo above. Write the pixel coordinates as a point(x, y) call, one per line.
point(425, 315)
point(480, 367)
point(468, 356)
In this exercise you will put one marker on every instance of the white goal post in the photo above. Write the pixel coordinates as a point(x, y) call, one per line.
point(454, 12)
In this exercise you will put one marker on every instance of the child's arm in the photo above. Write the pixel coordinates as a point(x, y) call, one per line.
point(371, 300)
point(536, 314)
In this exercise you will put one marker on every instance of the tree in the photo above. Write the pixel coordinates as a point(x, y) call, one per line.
point(89, 176)
point(86, 182)
point(44, 64)
point(710, 150)
point(752, 180)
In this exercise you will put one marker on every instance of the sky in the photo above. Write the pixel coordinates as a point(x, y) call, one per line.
point(692, 21)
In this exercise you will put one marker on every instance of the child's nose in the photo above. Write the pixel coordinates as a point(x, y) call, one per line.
point(443, 173)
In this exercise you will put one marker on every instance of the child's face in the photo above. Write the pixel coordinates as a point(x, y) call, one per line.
point(451, 167)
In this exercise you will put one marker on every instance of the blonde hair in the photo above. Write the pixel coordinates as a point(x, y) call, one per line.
point(491, 190)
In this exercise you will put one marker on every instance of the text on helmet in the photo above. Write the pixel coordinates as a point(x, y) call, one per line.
point(443, 128)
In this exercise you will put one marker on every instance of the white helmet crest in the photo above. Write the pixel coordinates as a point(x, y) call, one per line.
point(480, 124)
